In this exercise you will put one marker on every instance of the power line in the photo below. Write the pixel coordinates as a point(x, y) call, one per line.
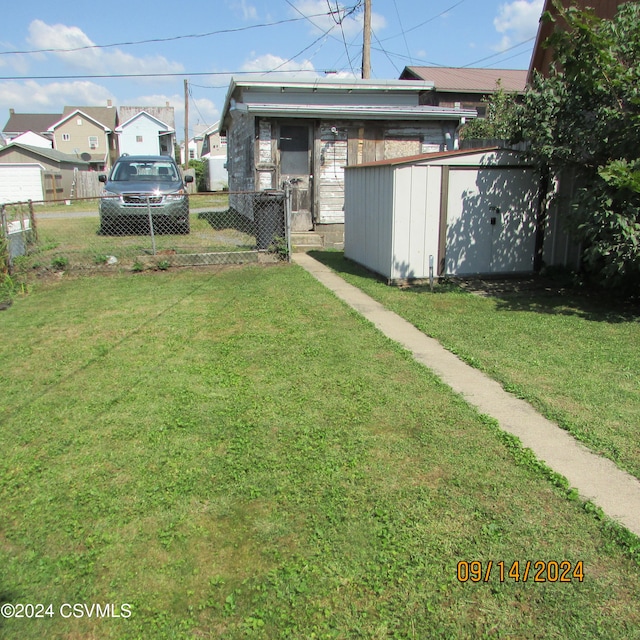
point(494, 55)
point(170, 39)
point(150, 75)
point(404, 33)
point(425, 22)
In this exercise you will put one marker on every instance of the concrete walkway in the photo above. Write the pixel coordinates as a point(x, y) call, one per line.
point(597, 479)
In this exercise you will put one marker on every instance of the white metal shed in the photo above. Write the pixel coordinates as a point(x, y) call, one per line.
point(21, 182)
point(467, 212)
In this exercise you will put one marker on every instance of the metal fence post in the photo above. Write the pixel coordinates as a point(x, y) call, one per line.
point(287, 218)
point(5, 260)
point(153, 237)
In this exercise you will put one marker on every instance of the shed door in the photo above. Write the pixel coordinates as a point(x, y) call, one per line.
point(294, 144)
point(490, 221)
point(20, 182)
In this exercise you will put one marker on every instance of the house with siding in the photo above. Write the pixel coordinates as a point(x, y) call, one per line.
point(305, 132)
point(21, 123)
point(145, 134)
point(466, 88)
point(89, 134)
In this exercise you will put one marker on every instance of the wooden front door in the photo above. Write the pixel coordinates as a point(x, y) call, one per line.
point(294, 144)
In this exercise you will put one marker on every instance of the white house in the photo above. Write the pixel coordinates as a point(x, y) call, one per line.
point(33, 140)
point(144, 134)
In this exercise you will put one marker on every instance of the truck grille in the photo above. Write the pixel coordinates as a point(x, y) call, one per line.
point(140, 199)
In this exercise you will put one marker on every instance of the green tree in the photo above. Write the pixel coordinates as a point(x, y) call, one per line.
point(583, 120)
point(201, 173)
point(501, 118)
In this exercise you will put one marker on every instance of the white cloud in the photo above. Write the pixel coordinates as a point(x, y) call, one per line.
point(99, 60)
point(270, 62)
point(517, 21)
point(248, 11)
point(32, 97)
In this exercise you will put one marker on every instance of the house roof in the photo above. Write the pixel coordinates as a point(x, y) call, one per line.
point(323, 97)
point(420, 112)
point(106, 116)
point(36, 122)
point(541, 56)
point(145, 114)
point(50, 154)
point(164, 114)
point(70, 114)
point(463, 80)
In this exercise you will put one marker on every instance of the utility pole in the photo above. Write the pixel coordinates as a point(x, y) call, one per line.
point(366, 41)
point(186, 124)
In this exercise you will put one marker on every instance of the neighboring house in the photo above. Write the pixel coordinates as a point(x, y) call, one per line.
point(37, 173)
point(89, 134)
point(155, 125)
point(213, 144)
point(20, 123)
point(34, 140)
point(142, 134)
point(542, 56)
point(305, 132)
point(194, 145)
point(466, 88)
point(214, 154)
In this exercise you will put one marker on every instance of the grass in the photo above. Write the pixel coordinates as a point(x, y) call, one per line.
point(572, 355)
point(236, 454)
point(197, 201)
point(75, 241)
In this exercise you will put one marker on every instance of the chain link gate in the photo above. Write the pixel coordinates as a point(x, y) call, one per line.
point(217, 229)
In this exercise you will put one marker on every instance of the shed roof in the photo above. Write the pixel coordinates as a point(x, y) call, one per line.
point(466, 80)
point(50, 154)
point(423, 157)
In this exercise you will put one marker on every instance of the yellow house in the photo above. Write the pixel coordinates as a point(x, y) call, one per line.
point(88, 134)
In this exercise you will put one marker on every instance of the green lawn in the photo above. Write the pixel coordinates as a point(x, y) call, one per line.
point(574, 356)
point(236, 454)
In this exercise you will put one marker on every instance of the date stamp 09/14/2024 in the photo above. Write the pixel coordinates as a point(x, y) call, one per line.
point(520, 571)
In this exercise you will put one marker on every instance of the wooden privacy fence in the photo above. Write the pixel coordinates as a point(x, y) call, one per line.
point(86, 185)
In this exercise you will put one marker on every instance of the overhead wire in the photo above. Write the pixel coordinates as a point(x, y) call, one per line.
point(404, 34)
point(169, 39)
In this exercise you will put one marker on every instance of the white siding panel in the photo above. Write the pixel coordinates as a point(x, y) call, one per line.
point(368, 218)
point(416, 222)
point(20, 183)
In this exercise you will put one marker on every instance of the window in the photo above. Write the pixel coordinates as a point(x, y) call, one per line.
point(93, 142)
point(79, 122)
point(66, 137)
point(138, 138)
point(294, 150)
point(192, 154)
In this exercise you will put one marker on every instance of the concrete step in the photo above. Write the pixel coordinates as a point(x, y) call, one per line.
point(302, 241)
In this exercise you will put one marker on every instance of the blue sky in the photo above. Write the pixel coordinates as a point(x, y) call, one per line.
point(207, 42)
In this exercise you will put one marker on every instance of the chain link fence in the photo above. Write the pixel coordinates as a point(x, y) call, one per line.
point(147, 232)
